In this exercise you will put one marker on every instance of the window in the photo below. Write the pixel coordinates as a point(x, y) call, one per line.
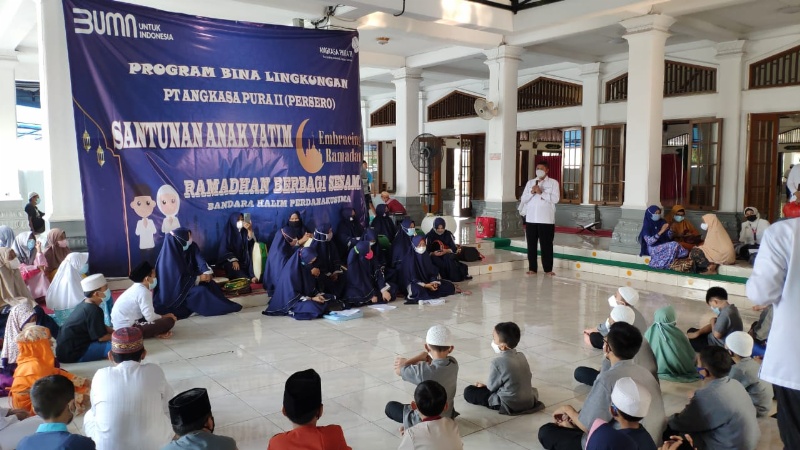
point(789, 137)
point(679, 79)
point(704, 157)
point(384, 116)
point(679, 140)
point(607, 164)
point(572, 163)
point(544, 93)
point(455, 105)
point(782, 69)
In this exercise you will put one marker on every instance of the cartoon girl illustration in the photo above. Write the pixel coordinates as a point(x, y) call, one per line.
point(169, 202)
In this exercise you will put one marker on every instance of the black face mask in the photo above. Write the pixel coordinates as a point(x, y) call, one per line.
point(751, 218)
point(295, 224)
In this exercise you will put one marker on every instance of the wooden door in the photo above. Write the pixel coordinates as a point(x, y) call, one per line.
point(464, 189)
point(762, 165)
point(478, 166)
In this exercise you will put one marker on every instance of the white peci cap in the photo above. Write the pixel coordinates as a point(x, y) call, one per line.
point(622, 313)
point(438, 335)
point(93, 282)
point(630, 398)
point(740, 343)
point(630, 295)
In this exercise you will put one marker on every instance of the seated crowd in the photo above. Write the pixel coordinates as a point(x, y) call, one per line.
point(312, 271)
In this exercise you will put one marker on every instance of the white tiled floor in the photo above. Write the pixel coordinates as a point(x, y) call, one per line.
point(244, 358)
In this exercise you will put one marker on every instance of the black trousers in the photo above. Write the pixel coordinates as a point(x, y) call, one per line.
point(543, 234)
point(788, 416)
point(597, 340)
point(554, 437)
point(478, 396)
point(698, 343)
point(586, 375)
point(394, 411)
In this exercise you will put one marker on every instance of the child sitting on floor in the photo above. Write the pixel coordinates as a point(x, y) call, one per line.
point(508, 388)
point(718, 328)
point(745, 370)
point(435, 431)
point(435, 363)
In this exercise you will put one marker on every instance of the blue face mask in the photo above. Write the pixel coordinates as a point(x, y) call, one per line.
point(411, 232)
point(679, 219)
point(31, 244)
point(715, 309)
point(154, 284)
point(108, 295)
point(700, 372)
point(656, 217)
point(187, 244)
point(85, 269)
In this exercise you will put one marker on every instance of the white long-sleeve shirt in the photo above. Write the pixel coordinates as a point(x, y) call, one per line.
point(129, 408)
point(776, 281)
point(793, 181)
point(540, 208)
point(135, 303)
point(753, 232)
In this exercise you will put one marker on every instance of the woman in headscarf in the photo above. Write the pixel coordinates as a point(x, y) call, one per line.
point(185, 283)
point(349, 232)
point(403, 252)
point(443, 250)
point(753, 229)
point(236, 248)
point(6, 236)
point(287, 240)
point(65, 291)
point(383, 223)
point(716, 249)
point(656, 240)
point(23, 313)
point(32, 268)
point(366, 282)
point(299, 292)
point(329, 260)
point(57, 248)
point(36, 361)
point(12, 288)
point(382, 255)
point(683, 232)
point(424, 282)
point(672, 349)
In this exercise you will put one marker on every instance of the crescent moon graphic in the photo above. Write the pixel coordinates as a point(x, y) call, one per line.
point(311, 158)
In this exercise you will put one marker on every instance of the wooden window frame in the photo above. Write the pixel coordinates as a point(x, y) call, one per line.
point(387, 110)
point(468, 113)
point(621, 182)
point(717, 168)
point(562, 94)
point(564, 150)
point(762, 63)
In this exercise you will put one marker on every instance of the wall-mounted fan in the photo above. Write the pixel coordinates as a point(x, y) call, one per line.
point(485, 110)
point(426, 156)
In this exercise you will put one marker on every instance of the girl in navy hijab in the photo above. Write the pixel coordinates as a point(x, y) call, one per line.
point(184, 280)
point(328, 260)
point(287, 240)
point(349, 232)
point(236, 248)
point(443, 250)
point(402, 251)
point(298, 293)
point(383, 224)
point(656, 240)
point(366, 282)
point(424, 282)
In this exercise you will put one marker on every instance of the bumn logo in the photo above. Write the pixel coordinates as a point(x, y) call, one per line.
point(104, 23)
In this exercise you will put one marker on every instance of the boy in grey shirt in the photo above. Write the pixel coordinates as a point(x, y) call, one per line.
point(720, 415)
point(745, 370)
point(436, 364)
point(508, 388)
point(727, 321)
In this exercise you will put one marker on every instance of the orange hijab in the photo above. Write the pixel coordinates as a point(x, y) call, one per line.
point(681, 228)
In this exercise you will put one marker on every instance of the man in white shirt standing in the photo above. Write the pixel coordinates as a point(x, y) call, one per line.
point(130, 400)
point(538, 205)
point(134, 308)
point(776, 281)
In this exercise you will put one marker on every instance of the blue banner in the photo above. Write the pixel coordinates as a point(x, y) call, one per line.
point(184, 120)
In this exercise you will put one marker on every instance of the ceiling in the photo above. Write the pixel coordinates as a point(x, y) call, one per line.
point(446, 39)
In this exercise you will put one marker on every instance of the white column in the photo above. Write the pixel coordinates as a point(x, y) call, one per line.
point(406, 81)
point(9, 177)
point(423, 98)
point(646, 36)
point(729, 101)
point(365, 120)
point(62, 187)
point(590, 116)
point(501, 138)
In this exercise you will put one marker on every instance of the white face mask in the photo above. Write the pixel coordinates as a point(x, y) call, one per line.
point(496, 347)
point(13, 264)
point(704, 226)
point(612, 301)
point(540, 173)
point(240, 224)
point(420, 250)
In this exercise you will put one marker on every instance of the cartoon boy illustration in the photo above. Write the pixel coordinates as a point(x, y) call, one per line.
point(169, 202)
point(143, 205)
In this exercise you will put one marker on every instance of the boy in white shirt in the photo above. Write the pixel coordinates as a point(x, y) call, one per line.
point(434, 432)
point(134, 308)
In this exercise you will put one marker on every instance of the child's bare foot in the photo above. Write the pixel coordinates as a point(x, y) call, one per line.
point(550, 274)
point(530, 272)
point(166, 335)
point(712, 269)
